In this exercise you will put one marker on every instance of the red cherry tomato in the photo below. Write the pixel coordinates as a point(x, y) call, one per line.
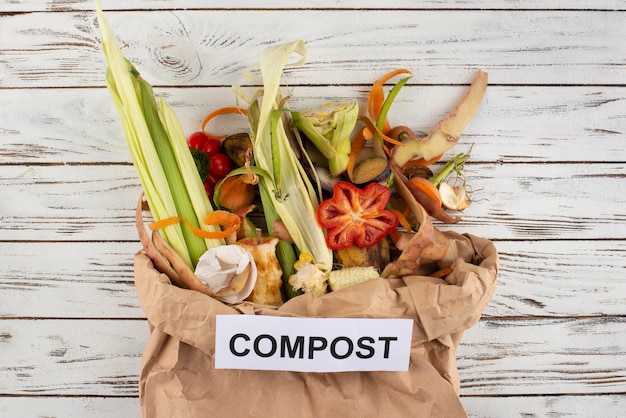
point(212, 180)
point(208, 187)
point(220, 165)
point(197, 140)
point(212, 146)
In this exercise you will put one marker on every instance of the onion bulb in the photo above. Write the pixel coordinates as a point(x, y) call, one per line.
point(236, 193)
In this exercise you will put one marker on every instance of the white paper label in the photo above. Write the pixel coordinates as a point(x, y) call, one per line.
point(312, 344)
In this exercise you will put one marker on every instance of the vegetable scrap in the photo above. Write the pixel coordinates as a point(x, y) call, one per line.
point(356, 215)
point(313, 200)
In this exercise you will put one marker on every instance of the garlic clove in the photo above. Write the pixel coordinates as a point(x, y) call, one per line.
point(453, 198)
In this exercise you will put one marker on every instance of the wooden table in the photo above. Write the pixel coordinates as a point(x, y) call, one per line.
point(547, 169)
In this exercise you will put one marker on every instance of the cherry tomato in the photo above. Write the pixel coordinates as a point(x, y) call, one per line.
point(197, 140)
point(208, 187)
point(220, 165)
point(212, 146)
point(213, 180)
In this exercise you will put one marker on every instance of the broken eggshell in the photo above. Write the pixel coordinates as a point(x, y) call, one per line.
point(230, 272)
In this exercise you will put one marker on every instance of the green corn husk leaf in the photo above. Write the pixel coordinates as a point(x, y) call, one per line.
point(295, 199)
point(152, 149)
point(175, 182)
point(193, 182)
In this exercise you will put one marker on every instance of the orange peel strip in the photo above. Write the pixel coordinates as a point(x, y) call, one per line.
point(402, 220)
point(442, 273)
point(219, 112)
point(229, 221)
point(376, 98)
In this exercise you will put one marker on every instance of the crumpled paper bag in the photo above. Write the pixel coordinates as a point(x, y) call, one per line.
point(178, 378)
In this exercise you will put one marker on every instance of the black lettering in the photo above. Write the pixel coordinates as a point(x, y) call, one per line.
point(333, 346)
point(313, 348)
point(285, 346)
point(361, 344)
point(232, 345)
point(387, 340)
point(257, 343)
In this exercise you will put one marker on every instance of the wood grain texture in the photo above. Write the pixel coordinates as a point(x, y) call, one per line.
point(102, 358)
point(565, 356)
point(71, 5)
point(71, 357)
point(91, 280)
point(511, 201)
point(97, 282)
point(612, 406)
point(66, 407)
point(214, 48)
point(560, 279)
point(514, 124)
point(547, 173)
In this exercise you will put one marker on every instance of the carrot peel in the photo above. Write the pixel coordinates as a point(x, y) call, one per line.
point(216, 113)
point(229, 221)
point(376, 98)
point(402, 220)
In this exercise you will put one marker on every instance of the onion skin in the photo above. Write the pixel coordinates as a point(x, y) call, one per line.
point(236, 193)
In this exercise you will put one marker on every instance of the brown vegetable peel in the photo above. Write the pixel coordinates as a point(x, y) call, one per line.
point(188, 279)
point(165, 259)
point(158, 259)
point(427, 243)
point(448, 130)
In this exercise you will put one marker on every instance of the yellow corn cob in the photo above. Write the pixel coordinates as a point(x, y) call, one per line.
point(338, 279)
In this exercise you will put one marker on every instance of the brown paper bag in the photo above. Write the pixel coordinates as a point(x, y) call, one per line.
point(178, 378)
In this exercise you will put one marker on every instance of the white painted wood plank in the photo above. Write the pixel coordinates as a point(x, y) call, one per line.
point(557, 201)
point(41, 205)
point(555, 328)
point(544, 356)
point(71, 357)
point(511, 201)
point(65, 407)
point(67, 5)
point(496, 357)
point(560, 279)
point(609, 406)
point(612, 406)
point(514, 124)
point(189, 47)
point(68, 280)
point(537, 278)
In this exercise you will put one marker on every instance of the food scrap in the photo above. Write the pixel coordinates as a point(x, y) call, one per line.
point(308, 200)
